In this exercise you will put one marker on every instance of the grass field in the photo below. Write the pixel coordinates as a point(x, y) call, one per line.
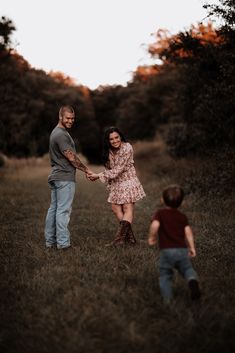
point(106, 300)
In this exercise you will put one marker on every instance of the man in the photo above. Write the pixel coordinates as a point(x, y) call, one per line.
point(64, 163)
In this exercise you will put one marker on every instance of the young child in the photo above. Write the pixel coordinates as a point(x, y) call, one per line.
point(176, 243)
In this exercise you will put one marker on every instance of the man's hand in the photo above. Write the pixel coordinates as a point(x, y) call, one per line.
point(88, 173)
point(93, 176)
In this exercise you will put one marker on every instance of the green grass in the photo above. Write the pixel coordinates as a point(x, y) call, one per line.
point(97, 299)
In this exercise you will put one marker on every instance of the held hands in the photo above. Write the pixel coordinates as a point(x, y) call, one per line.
point(91, 176)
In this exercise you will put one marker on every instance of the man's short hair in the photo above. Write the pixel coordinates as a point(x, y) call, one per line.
point(64, 109)
point(173, 196)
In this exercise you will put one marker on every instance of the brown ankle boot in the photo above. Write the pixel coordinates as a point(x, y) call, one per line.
point(119, 237)
point(124, 235)
point(130, 236)
point(127, 233)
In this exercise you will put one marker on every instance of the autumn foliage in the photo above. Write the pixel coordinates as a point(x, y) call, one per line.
point(199, 34)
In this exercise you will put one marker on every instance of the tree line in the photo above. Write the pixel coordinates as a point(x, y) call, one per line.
point(188, 98)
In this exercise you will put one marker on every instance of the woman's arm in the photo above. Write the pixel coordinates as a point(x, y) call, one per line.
point(121, 162)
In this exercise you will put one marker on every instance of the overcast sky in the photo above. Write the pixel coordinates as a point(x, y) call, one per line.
point(96, 42)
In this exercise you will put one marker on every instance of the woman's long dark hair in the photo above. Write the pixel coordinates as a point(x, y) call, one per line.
point(106, 143)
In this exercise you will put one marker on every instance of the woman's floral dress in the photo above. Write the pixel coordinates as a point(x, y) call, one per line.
point(121, 179)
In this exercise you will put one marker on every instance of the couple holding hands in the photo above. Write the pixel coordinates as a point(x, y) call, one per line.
point(119, 175)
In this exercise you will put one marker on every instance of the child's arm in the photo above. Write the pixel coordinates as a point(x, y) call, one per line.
point(190, 240)
point(153, 229)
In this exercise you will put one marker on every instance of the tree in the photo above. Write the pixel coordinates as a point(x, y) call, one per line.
point(30, 100)
point(225, 10)
point(6, 29)
point(169, 48)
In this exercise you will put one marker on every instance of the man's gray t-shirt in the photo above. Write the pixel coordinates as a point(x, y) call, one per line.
point(62, 169)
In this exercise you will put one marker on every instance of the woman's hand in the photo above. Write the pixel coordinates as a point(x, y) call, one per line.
point(93, 176)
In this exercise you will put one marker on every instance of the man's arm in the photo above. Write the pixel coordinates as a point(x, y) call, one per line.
point(153, 230)
point(75, 161)
point(190, 240)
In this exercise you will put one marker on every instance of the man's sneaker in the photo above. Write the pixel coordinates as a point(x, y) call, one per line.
point(65, 247)
point(51, 246)
point(194, 289)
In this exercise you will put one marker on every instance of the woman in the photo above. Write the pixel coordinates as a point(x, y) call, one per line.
point(122, 183)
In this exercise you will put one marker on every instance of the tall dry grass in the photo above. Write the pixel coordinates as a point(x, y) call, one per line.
point(97, 299)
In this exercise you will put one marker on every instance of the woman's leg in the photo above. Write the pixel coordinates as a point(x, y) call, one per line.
point(124, 214)
point(128, 212)
point(118, 211)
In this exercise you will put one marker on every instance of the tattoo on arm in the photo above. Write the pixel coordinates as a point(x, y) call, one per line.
point(74, 160)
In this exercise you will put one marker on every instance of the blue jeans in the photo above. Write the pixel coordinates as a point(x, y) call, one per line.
point(170, 259)
point(58, 215)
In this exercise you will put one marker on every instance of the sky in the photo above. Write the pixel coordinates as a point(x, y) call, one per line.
point(96, 42)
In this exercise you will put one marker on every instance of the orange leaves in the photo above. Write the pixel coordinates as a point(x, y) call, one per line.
point(203, 34)
point(163, 38)
point(60, 77)
point(143, 73)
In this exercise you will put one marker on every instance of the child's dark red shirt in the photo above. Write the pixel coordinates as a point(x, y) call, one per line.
point(171, 233)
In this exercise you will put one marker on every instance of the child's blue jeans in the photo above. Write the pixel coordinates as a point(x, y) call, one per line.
point(170, 259)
